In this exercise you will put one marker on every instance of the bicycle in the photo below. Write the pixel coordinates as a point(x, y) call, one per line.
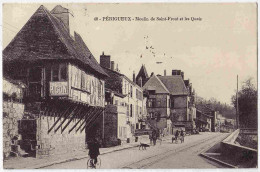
point(91, 165)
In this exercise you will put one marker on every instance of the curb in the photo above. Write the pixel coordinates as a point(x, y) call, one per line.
point(218, 161)
point(204, 154)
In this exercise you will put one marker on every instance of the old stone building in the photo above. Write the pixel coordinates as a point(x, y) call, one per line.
point(158, 105)
point(172, 97)
point(64, 92)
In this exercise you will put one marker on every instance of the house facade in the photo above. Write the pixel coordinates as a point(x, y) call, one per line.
point(126, 97)
point(65, 91)
point(183, 113)
point(177, 99)
point(158, 105)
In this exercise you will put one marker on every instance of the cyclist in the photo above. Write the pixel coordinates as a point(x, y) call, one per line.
point(93, 147)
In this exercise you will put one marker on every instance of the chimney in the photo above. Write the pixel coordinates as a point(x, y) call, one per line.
point(176, 72)
point(182, 75)
point(66, 17)
point(105, 61)
point(117, 68)
point(152, 74)
point(164, 72)
point(134, 80)
point(112, 65)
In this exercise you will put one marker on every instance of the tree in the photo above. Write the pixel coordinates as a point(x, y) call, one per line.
point(224, 109)
point(247, 105)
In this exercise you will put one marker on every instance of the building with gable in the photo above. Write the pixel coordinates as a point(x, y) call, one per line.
point(65, 91)
point(174, 97)
point(158, 105)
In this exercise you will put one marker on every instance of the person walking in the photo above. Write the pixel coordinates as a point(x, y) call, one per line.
point(150, 138)
point(154, 137)
point(176, 136)
point(182, 136)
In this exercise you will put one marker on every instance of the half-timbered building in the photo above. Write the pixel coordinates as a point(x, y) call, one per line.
point(64, 92)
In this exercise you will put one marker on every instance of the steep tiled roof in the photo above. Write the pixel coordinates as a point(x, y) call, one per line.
point(45, 37)
point(174, 84)
point(154, 83)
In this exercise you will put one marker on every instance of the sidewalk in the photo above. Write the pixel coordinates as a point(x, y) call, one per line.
point(34, 163)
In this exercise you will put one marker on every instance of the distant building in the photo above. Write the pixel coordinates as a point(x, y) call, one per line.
point(142, 76)
point(158, 105)
point(203, 121)
point(210, 112)
point(173, 100)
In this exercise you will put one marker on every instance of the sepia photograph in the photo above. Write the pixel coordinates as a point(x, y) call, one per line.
point(129, 85)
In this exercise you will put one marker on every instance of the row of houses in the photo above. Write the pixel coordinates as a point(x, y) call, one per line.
point(57, 96)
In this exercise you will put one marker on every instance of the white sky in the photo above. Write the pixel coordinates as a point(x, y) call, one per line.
point(211, 52)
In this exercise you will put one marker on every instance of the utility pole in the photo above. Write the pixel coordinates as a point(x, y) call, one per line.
point(237, 112)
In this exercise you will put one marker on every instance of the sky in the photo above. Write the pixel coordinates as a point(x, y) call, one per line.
point(211, 51)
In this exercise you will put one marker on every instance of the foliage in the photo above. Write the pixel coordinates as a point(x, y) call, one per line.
point(247, 105)
point(247, 140)
point(224, 109)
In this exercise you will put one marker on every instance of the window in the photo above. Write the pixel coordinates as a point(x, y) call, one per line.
point(35, 82)
point(55, 72)
point(125, 88)
point(131, 110)
point(59, 72)
point(152, 115)
point(131, 91)
point(63, 72)
point(158, 103)
point(83, 81)
point(116, 102)
point(151, 102)
point(127, 109)
point(172, 103)
point(99, 89)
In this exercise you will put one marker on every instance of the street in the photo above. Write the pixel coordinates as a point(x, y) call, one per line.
point(165, 155)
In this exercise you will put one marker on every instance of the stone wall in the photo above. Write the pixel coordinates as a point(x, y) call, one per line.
point(111, 128)
point(58, 142)
point(12, 112)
